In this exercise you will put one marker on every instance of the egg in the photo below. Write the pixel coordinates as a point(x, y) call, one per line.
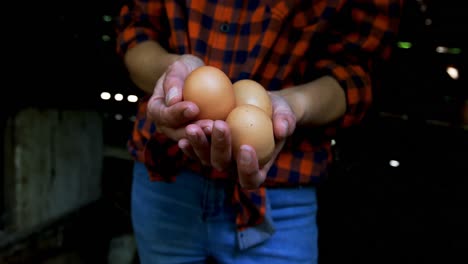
point(211, 90)
point(251, 92)
point(252, 126)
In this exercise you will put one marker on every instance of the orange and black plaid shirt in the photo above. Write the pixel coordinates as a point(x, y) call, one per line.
point(277, 43)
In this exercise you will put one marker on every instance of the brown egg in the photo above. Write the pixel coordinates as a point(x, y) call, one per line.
point(252, 126)
point(211, 90)
point(251, 92)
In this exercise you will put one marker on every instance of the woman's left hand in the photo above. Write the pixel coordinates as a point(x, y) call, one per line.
point(251, 175)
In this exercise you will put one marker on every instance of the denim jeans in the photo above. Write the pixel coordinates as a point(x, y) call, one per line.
point(192, 219)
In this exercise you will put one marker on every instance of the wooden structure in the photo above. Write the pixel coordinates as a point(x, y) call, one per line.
point(53, 163)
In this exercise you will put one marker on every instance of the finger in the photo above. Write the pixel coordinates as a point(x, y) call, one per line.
point(174, 134)
point(159, 113)
point(199, 143)
point(284, 119)
point(278, 147)
point(157, 98)
point(282, 127)
point(250, 176)
point(158, 90)
point(206, 125)
point(220, 146)
point(173, 116)
point(174, 82)
point(186, 148)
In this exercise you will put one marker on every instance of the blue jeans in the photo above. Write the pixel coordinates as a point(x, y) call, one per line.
point(192, 219)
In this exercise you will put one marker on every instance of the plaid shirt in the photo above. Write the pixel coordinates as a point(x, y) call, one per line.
point(279, 44)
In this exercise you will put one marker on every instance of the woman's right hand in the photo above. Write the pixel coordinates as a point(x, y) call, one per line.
point(208, 141)
point(166, 107)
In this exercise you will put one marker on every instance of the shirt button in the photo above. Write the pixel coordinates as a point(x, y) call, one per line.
point(224, 27)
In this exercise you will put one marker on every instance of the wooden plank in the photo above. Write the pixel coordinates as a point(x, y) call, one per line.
point(54, 164)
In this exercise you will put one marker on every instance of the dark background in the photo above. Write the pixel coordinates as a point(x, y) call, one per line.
point(371, 212)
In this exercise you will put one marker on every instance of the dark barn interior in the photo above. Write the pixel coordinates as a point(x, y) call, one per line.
point(397, 193)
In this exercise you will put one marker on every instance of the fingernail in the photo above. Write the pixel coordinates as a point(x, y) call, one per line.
point(207, 129)
point(182, 144)
point(216, 126)
point(221, 135)
point(191, 134)
point(245, 155)
point(286, 126)
point(188, 112)
point(172, 93)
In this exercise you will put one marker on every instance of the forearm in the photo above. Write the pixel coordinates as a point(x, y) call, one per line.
point(146, 62)
point(316, 103)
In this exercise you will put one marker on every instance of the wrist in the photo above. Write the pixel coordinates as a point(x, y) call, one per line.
point(146, 62)
point(316, 103)
point(190, 61)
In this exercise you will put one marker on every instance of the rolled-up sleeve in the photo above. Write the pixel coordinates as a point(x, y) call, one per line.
point(367, 35)
point(138, 21)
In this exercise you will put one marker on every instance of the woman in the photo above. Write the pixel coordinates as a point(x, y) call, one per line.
point(191, 199)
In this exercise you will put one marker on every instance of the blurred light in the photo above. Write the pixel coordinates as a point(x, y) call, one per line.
point(132, 98)
point(441, 49)
point(454, 50)
point(428, 22)
point(107, 18)
point(105, 96)
point(132, 118)
point(423, 8)
point(118, 117)
point(106, 38)
point(404, 44)
point(452, 72)
point(394, 163)
point(333, 142)
point(118, 97)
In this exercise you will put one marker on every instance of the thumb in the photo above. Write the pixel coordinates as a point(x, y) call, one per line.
point(250, 176)
point(176, 75)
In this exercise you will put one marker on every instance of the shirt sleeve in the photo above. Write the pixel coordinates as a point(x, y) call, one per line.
point(366, 34)
point(159, 153)
point(138, 21)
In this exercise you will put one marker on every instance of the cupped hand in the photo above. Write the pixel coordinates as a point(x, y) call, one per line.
point(209, 142)
point(166, 107)
point(212, 146)
point(251, 175)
